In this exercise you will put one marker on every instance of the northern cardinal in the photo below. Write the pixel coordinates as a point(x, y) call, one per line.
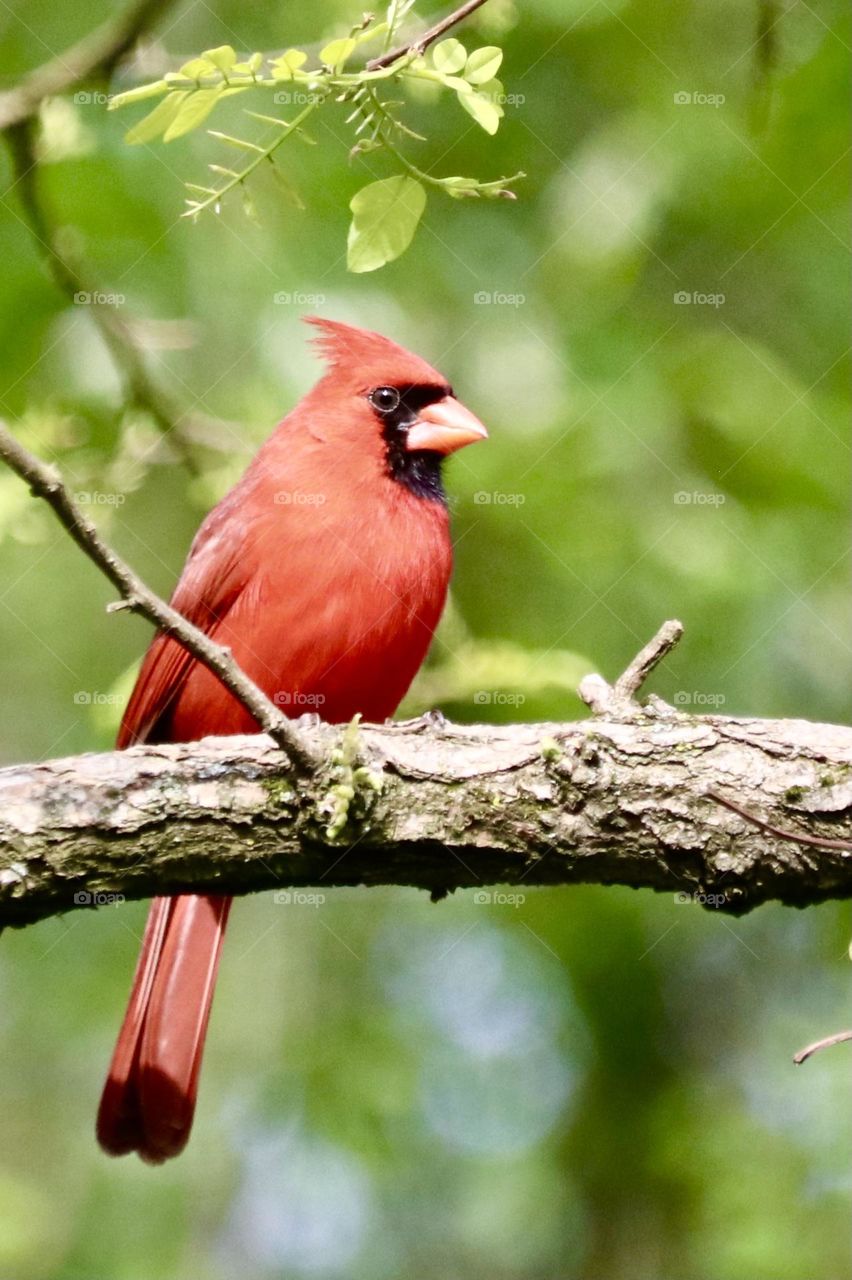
point(325, 570)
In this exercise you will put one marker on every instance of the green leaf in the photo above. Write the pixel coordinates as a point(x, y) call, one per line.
point(197, 67)
point(258, 115)
point(222, 57)
point(192, 113)
point(240, 143)
point(484, 111)
point(396, 14)
point(284, 66)
point(456, 83)
point(158, 120)
point(449, 56)
point(483, 64)
point(250, 67)
point(385, 215)
point(334, 55)
point(137, 95)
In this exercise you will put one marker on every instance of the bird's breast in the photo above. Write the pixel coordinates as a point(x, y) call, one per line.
point(335, 618)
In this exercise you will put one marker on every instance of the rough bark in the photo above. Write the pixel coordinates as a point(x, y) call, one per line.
point(618, 799)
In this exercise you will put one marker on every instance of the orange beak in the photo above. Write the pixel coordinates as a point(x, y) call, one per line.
point(443, 427)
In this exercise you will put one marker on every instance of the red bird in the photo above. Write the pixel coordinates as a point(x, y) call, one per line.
point(325, 570)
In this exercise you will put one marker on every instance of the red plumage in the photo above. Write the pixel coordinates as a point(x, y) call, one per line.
point(325, 570)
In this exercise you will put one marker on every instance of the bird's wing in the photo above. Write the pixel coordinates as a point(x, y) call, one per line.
point(213, 579)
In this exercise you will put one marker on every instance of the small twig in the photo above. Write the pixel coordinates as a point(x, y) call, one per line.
point(429, 37)
point(825, 1043)
point(631, 680)
point(620, 699)
point(45, 482)
point(797, 837)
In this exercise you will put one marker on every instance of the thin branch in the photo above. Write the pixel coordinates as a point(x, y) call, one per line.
point(632, 679)
point(93, 57)
point(825, 1043)
point(45, 482)
point(73, 281)
point(421, 44)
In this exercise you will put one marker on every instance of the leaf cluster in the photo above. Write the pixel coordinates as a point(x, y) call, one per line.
point(385, 212)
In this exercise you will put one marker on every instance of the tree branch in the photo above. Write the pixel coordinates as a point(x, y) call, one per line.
point(93, 57)
point(73, 281)
point(45, 483)
point(605, 801)
point(421, 44)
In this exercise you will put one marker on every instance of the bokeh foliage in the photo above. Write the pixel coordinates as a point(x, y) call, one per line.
point(595, 1083)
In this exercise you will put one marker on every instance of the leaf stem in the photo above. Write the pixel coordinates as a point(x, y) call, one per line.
point(266, 153)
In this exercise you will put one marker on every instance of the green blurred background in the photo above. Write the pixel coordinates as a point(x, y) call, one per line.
point(597, 1083)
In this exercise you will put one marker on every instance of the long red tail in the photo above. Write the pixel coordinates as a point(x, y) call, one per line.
point(149, 1098)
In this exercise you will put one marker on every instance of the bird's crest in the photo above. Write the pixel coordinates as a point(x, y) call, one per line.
point(348, 349)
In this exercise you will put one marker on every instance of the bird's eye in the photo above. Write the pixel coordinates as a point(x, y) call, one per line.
point(385, 399)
